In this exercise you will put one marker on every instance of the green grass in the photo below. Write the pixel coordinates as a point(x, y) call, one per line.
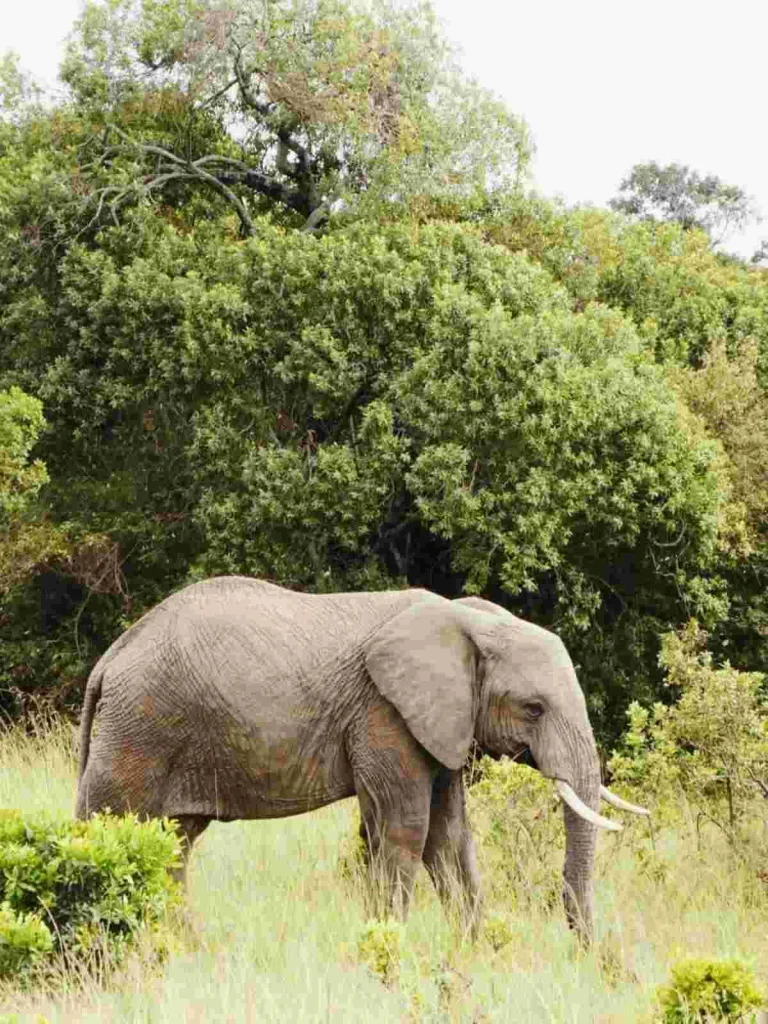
point(273, 926)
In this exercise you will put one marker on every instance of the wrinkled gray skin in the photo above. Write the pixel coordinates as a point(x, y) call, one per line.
point(235, 698)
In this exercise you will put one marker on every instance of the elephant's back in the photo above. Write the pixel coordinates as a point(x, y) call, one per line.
point(226, 594)
point(217, 597)
point(282, 627)
point(261, 630)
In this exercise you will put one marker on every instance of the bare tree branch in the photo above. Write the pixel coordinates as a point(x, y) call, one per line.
point(220, 173)
point(302, 171)
point(217, 95)
point(264, 109)
point(317, 218)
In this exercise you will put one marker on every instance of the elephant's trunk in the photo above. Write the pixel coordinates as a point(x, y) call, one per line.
point(580, 840)
point(569, 756)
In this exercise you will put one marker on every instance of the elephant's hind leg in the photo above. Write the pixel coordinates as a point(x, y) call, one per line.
point(191, 827)
point(449, 852)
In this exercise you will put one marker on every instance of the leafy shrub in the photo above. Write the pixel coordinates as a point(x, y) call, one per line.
point(497, 932)
point(712, 743)
point(671, 283)
point(24, 539)
point(103, 877)
point(709, 990)
point(726, 394)
point(517, 824)
point(25, 941)
point(380, 948)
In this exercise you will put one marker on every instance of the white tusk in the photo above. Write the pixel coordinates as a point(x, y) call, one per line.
point(568, 796)
point(622, 805)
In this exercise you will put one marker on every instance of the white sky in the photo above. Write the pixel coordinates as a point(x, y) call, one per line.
point(604, 84)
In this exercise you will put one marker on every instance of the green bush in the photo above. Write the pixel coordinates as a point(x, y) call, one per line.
point(712, 743)
point(497, 932)
point(709, 990)
point(25, 941)
point(518, 827)
point(25, 538)
point(379, 948)
point(102, 878)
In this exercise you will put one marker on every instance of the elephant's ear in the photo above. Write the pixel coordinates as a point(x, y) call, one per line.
point(424, 662)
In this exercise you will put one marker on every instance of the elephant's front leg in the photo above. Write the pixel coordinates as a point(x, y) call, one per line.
point(395, 839)
point(449, 853)
point(393, 781)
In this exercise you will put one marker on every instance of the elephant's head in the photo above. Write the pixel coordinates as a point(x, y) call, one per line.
point(468, 669)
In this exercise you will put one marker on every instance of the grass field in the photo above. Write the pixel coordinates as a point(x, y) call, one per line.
point(274, 923)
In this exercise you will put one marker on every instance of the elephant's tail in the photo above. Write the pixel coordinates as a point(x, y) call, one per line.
point(92, 695)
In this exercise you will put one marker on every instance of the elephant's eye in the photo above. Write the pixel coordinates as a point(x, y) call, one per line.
point(534, 709)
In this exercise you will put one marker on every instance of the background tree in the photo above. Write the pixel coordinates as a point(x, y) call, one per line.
point(18, 90)
point(711, 743)
point(26, 537)
point(299, 104)
point(676, 193)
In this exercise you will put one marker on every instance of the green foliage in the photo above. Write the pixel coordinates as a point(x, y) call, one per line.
point(497, 932)
point(379, 947)
point(712, 743)
point(105, 877)
point(21, 420)
point(306, 501)
point(518, 825)
point(709, 990)
point(25, 539)
point(552, 235)
point(680, 295)
point(727, 398)
point(726, 394)
point(542, 436)
point(25, 943)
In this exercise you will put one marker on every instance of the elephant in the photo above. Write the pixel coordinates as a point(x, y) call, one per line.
point(235, 698)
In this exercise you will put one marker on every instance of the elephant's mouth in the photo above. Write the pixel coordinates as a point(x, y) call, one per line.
point(522, 756)
point(526, 757)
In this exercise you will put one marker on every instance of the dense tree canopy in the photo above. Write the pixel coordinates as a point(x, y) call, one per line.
point(446, 382)
point(25, 538)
